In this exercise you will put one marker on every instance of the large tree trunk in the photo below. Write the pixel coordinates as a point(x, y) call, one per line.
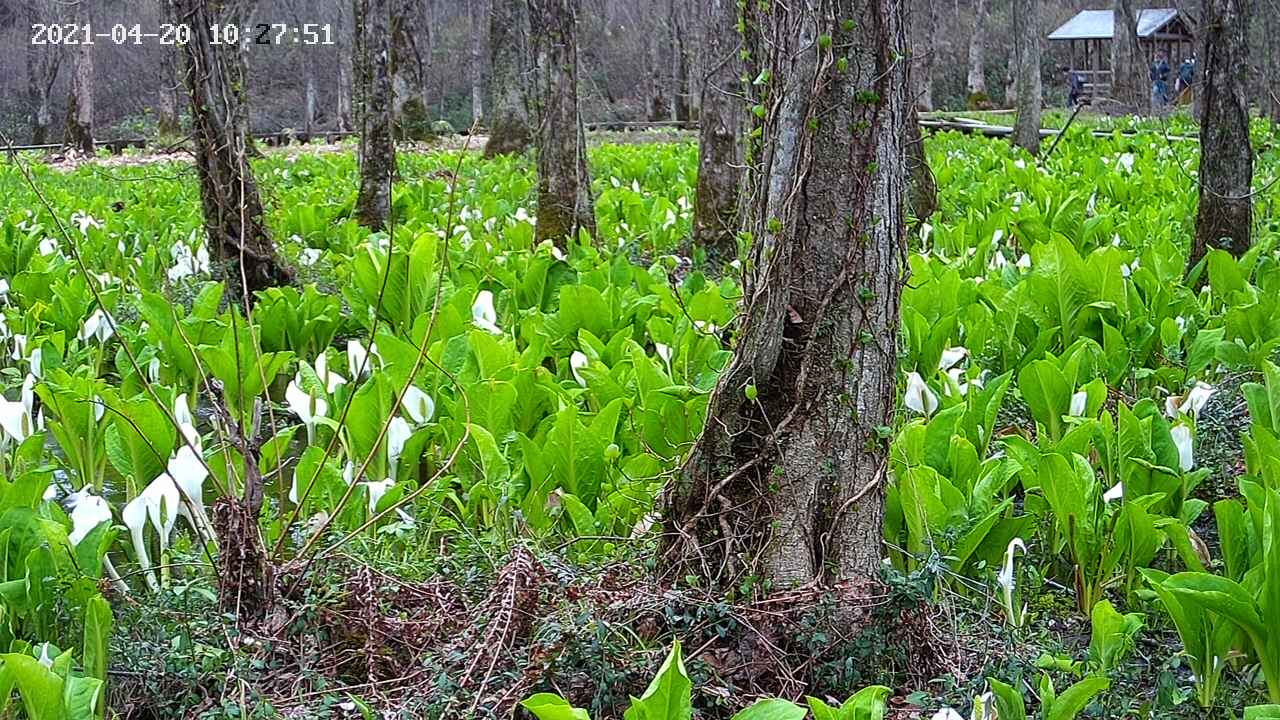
point(233, 215)
point(715, 210)
point(1226, 158)
point(42, 71)
point(509, 125)
point(476, 15)
point(565, 203)
point(79, 131)
point(374, 111)
point(787, 481)
point(1026, 40)
point(976, 82)
point(1128, 77)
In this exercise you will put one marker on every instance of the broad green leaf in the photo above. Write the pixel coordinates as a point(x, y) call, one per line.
point(547, 706)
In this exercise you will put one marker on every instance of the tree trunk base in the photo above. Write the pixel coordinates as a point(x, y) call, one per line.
point(246, 577)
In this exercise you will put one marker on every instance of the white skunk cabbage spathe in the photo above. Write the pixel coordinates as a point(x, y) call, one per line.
point(1007, 579)
point(483, 313)
point(418, 405)
point(398, 433)
point(359, 360)
point(1193, 402)
point(1115, 493)
point(332, 380)
point(376, 490)
point(919, 398)
point(100, 326)
point(577, 361)
point(1079, 402)
point(15, 416)
point(308, 409)
point(89, 512)
point(1182, 440)
point(158, 505)
point(952, 356)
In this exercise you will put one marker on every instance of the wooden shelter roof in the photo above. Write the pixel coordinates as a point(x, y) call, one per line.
point(1100, 25)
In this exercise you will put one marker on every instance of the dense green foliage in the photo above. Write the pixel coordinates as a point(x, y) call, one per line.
point(452, 379)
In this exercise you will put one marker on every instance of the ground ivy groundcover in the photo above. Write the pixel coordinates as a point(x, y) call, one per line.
point(1079, 425)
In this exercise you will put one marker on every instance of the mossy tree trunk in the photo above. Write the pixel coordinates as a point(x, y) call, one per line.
point(715, 211)
point(233, 214)
point(374, 111)
point(79, 127)
point(1225, 215)
point(787, 481)
point(509, 75)
point(565, 203)
point(1026, 68)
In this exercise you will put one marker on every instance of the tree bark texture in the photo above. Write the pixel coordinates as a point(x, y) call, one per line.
point(924, 188)
point(1225, 215)
point(976, 82)
point(476, 15)
point(1269, 94)
point(79, 128)
point(787, 481)
point(374, 111)
point(1129, 84)
point(1026, 43)
point(42, 71)
point(715, 210)
point(565, 202)
point(659, 106)
point(923, 53)
point(346, 75)
point(168, 123)
point(233, 212)
point(509, 75)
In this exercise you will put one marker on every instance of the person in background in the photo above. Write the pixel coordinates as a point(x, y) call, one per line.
point(1186, 77)
point(1075, 87)
point(1160, 81)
